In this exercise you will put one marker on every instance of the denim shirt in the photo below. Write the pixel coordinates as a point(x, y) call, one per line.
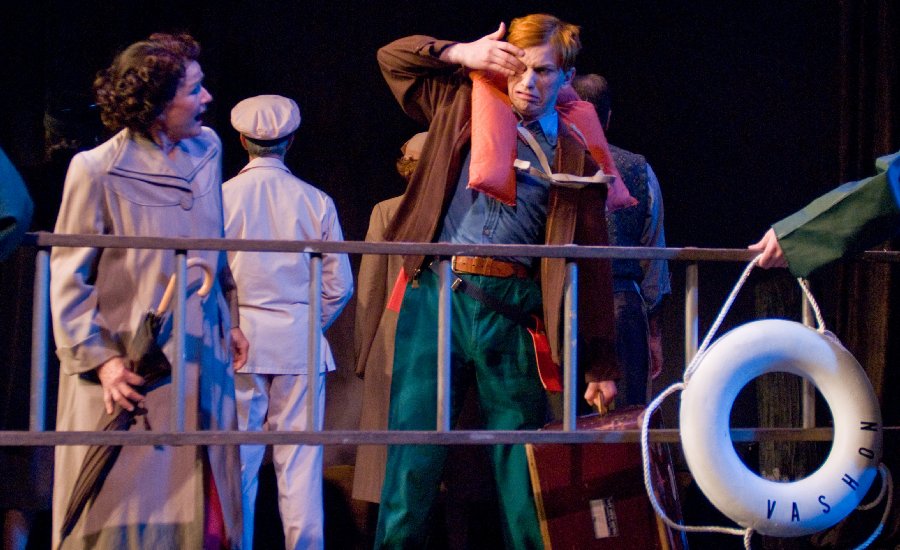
point(475, 218)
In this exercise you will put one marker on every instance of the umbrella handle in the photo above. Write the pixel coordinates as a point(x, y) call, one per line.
point(170, 288)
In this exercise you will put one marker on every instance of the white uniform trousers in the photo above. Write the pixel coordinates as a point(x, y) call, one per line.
point(280, 400)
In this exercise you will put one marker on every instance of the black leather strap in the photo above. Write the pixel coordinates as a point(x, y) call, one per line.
point(513, 313)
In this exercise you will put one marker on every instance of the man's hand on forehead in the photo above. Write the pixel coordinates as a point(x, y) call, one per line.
point(489, 53)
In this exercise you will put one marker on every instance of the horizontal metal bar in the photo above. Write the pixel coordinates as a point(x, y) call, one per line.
point(422, 249)
point(338, 437)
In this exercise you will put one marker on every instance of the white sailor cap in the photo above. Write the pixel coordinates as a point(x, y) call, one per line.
point(266, 117)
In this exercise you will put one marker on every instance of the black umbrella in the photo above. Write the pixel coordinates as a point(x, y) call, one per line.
point(148, 360)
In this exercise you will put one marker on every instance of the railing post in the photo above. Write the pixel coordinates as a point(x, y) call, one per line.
point(179, 326)
point(691, 312)
point(807, 389)
point(445, 321)
point(570, 346)
point(314, 344)
point(37, 421)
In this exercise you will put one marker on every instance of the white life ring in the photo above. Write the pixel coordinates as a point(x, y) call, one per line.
point(783, 509)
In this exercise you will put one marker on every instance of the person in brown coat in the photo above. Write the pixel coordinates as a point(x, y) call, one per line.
point(429, 78)
point(374, 330)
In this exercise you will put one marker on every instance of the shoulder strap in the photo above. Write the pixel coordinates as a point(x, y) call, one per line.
point(538, 151)
point(562, 180)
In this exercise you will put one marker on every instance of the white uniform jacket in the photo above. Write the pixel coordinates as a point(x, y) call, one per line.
point(265, 201)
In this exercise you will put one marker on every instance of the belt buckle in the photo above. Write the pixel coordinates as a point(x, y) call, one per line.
point(453, 262)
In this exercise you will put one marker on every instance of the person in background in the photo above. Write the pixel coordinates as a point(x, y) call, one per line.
point(639, 286)
point(158, 176)
point(16, 210)
point(470, 501)
point(842, 222)
point(374, 329)
point(265, 201)
point(71, 124)
point(491, 351)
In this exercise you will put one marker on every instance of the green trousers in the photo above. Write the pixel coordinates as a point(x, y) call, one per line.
point(497, 356)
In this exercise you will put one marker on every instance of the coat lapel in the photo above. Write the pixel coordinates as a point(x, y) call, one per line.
point(566, 221)
point(561, 205)
point(129, 162)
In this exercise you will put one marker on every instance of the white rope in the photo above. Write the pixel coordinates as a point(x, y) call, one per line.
point(812, 303)
point(746, 533)
point(689, 371)
point(648, 485)
point(887, 487)
point(882, 469)
point(719, 318)
point(747, 537)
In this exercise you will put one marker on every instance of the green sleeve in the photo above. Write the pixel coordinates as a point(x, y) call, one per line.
point(16, 207)
point(844, 221)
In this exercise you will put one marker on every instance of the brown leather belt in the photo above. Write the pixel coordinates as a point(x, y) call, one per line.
point(488, 266)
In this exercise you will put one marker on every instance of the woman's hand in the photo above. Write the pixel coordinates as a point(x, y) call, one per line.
point(118, 381)
point(240, 347)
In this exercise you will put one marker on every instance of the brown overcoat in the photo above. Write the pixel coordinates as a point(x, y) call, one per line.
point(439, 95)
point(374, 339)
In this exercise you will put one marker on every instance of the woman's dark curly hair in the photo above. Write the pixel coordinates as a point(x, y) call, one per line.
point(135, 89)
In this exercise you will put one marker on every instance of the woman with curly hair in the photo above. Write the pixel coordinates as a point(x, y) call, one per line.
point(159, 176)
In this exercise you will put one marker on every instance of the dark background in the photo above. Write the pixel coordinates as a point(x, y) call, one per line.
point(746, 111)
point(735, 104)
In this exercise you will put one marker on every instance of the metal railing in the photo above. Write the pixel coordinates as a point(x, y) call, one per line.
point(442, 433)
